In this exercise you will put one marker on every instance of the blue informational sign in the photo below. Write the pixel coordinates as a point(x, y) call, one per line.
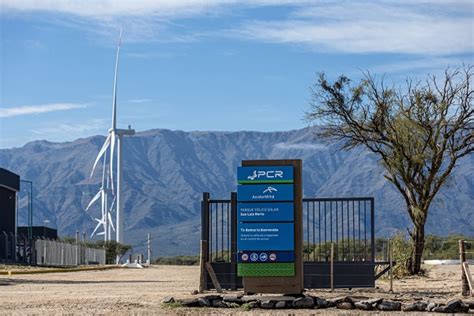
point(265, 212)
point(269, 174)
point(265, 256)
point(265, 192)
point(265, 236)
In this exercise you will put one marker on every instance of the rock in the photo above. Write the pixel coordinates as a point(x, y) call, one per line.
point(168, 300)
point(373, 302)
point(233, 299)
point(190, 302)
point(431, 306)
point(219, 304)
point(195, 292)
point(267, 304)
point(456, 306)
point(320, 302)
point(439, 309)
point(336, 301)
point(470, 304)
point(345, 305)
point(280, 304)
point(249, 298)
point(389, 306)
point(213, 297)
point(363, 305)
point(253, 304)
point(418, 306)
point(368, 304)
point(204, 302)
point(303, 302)
point(233, 305)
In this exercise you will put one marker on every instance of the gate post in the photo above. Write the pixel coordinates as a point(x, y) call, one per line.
point(204, 250)
point(372, 227)
point(233, 240)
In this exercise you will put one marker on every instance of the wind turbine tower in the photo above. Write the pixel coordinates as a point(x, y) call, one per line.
point(114, 137)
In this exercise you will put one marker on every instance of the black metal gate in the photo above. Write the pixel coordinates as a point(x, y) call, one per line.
point(345, 223)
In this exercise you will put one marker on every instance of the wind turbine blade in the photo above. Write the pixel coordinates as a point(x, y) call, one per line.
point(95, 198)
point(101, 152)
point(95, 229)
point(101, 233)
point(110, 221)
point(103, 207)
point(114, 99)
point(104, 168)
point(111, 165)
point(112, 205)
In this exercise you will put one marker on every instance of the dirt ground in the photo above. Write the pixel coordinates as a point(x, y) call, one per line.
point(141, 291)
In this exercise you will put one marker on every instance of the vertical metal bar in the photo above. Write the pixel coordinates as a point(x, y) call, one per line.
point(314, 223)
point(211, 244)
point(233, 245)
point(342, 231)
point(325, 232)
point(217, 231)
point(372, 228)
point(348, 231)
point(353, 231)
point(222, 231)
point(337, 232)
point(365, 230)
point(332, 267)
point(330, 218)
point(228, 232)
point(319, 229)
point(358, 220)
point(307, 229)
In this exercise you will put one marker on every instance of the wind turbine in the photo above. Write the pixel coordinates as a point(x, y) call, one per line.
point(114, 137)
point(103, 193)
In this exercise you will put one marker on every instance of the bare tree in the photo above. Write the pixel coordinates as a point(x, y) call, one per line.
point(419, 131)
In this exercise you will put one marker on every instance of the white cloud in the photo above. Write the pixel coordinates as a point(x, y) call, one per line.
point(109, 8)
point(363, 27)
point(425, 27)
point(37, 109)
point(420, 65)
point(70, 129)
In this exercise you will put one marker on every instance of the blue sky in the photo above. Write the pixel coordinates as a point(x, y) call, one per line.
point(206, 65)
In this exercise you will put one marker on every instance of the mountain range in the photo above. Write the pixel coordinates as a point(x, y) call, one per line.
point(165, 173)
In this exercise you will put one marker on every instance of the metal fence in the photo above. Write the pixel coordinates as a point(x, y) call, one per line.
point(47, 252)
point(7, 247)
point(346, 223)
point(54, 253)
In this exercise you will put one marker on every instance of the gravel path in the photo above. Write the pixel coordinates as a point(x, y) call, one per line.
point(141, 291)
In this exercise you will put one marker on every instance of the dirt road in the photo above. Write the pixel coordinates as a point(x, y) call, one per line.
point(141, 291)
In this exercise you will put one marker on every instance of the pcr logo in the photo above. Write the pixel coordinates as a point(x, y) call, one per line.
point(270, 174)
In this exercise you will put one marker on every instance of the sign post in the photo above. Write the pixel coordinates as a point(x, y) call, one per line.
point(269, 229)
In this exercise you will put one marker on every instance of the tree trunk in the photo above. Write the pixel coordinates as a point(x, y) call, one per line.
point(418, 238)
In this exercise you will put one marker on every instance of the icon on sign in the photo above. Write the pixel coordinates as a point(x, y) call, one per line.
point(253, 176)
point(270, 190)
point(245, 257)
point(263, 256)
point(273, 257)
point(253, 257)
